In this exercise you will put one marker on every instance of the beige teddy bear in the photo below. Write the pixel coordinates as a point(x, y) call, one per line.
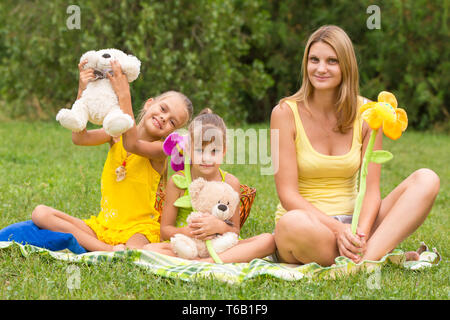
point(208, 197)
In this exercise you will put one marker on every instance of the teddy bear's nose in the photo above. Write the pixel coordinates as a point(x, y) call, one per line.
point(106, 55)
point(222, 207)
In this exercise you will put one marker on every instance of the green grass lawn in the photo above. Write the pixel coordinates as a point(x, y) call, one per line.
point(40, 165)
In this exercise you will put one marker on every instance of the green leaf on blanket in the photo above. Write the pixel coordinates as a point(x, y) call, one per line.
point(381, 156)
point(180, 181)
point(183, 202)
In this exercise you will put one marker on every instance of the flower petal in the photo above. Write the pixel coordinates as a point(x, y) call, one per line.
point(170, 143)
point(392, 129)
point(372, 118)
point(388, 97)
point(385, 111)
point(366, 106)
point(177, 161)
point(402, 117)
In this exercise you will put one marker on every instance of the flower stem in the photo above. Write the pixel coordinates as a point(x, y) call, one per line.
point(213, 253)
point(362, 180)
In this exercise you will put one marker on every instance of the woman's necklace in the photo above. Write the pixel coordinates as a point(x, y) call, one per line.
point(121, 171)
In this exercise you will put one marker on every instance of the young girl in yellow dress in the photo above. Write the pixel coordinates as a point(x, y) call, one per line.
point(206, 157)
point(131, 173)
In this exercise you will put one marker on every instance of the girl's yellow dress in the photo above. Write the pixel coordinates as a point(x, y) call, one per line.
point(127, 206)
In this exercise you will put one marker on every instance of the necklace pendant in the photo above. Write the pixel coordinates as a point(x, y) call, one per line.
point(121, 172)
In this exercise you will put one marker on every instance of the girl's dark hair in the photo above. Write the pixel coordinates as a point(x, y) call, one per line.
point(207, 119)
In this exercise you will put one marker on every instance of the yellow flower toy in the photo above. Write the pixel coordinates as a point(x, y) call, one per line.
point(385, 113)
point(394, 121)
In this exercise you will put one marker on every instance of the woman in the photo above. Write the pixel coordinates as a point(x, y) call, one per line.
point(322, 141)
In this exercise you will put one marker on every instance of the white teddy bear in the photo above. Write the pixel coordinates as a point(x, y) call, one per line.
point(208, 197)
point(98, 103)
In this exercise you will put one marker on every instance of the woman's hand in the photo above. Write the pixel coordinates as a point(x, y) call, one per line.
point(119, 81)
point(206, 227)
point(85, 76)
point(350, 245)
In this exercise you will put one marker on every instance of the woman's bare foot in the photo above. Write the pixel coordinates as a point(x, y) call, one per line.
point(149, 247)
point(411, 256)
point(119, 247)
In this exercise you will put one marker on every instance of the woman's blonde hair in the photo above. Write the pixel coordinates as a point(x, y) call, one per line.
point(346, 104)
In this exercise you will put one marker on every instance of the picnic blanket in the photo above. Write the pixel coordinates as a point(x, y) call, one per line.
point(235, 273)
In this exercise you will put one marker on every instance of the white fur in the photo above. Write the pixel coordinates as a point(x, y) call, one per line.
point(183, 246)
point(98, 103)
point(224, 242)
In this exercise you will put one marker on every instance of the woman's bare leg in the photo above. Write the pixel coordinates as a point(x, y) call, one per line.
point(246, 250)
point(301, 238)
point(51, 219)
point(259, 246)
point(402, 212)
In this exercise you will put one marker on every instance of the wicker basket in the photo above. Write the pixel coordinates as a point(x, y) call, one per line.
point(247, 196)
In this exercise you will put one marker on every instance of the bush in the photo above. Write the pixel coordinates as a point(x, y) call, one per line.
point(408, 56)
point(193, 46)
point(238, 57)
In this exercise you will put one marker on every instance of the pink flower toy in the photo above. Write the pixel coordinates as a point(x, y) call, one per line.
point(175, 147)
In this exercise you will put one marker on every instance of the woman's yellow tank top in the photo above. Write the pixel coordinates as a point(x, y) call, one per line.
point(327, 182)
point(129, 202)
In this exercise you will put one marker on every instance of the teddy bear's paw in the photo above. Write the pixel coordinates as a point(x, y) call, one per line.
point(224, 242)
point(116, 123)
point(183, 246)
point(201, 248)
point(68, 119)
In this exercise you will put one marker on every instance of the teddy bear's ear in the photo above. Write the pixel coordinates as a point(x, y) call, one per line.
point(131, 66)
point(91, 57)
point(196, 187)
